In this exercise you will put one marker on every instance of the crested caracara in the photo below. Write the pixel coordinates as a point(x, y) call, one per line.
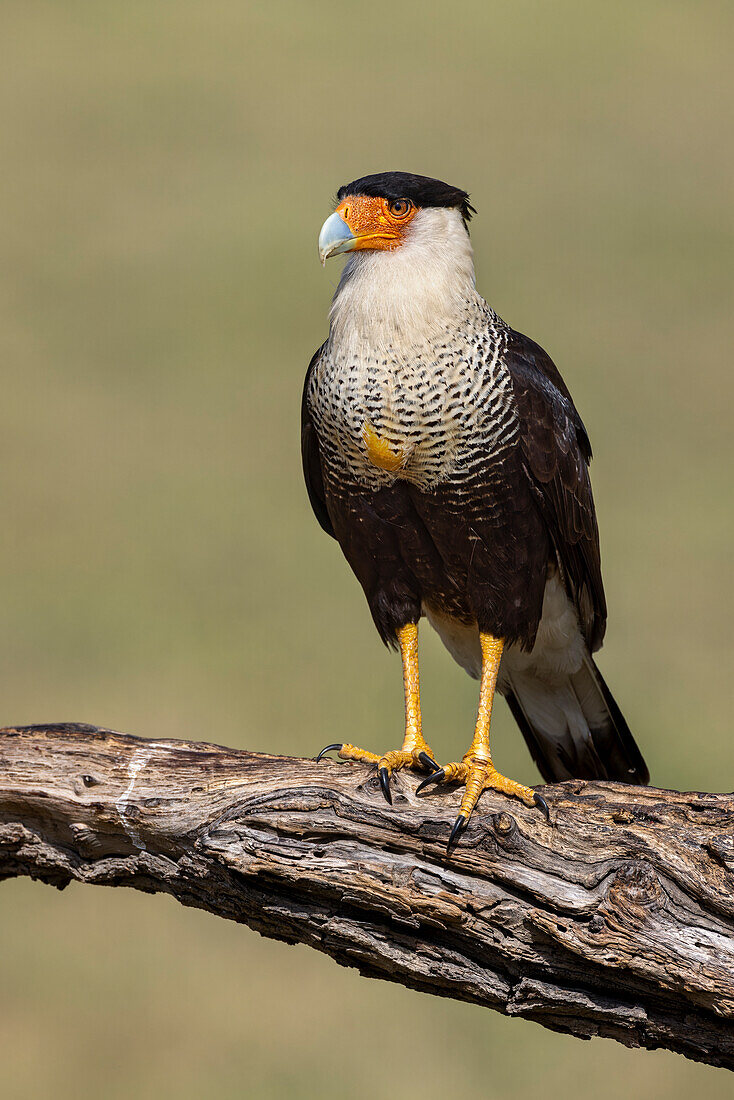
point(443, 452)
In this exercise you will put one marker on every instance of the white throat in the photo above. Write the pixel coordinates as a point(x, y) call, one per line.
point(400, 299)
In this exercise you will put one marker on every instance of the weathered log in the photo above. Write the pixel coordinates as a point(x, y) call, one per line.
point(616, 920)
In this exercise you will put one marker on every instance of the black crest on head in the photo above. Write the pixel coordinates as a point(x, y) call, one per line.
point(421, 190)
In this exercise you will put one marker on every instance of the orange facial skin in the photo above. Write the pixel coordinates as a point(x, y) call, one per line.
point(376, 223)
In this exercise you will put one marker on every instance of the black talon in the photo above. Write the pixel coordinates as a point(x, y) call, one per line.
point(435, 778)
point(459, 827)
point(328, 749)
point(542, 805)
point(384, 775)
point(427, 762)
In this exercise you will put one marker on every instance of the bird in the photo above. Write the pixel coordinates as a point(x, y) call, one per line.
point(443, 451)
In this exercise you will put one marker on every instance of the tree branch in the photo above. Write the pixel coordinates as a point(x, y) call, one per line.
point(616, 921)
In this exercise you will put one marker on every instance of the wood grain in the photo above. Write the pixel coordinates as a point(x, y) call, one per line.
point(617, 920)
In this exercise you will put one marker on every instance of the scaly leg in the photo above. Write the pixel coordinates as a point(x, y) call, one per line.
point(476, 770)
point(415, 752)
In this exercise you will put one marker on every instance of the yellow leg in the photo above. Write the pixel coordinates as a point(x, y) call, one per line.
point(476, 770)
point(415, 752)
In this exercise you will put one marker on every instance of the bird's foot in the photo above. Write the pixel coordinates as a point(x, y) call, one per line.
point(419, 759)
point(478, 776)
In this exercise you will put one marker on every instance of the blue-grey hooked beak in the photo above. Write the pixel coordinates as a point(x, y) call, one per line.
point(335, 237)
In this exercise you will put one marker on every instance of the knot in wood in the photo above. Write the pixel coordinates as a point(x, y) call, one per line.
point(504, 823)
point(635, 891)
point(85, 838)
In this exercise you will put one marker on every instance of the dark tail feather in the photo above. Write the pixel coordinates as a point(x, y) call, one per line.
point(575, 730)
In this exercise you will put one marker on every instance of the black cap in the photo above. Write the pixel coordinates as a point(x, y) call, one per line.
point(421, 190)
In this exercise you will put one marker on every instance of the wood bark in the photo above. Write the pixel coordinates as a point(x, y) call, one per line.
point(615, 920)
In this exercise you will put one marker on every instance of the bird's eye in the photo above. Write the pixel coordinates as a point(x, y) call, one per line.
point(400, 207)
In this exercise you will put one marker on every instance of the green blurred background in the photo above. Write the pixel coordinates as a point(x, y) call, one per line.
point(165, 171)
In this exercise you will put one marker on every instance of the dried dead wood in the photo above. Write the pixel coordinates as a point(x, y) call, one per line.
point(617, 921)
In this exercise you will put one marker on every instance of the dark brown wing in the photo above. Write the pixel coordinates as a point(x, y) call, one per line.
point(556, 455)
point(311, 458)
